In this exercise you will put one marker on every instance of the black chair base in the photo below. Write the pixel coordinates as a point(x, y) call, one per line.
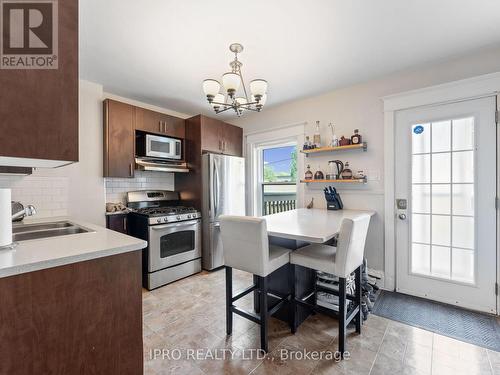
point(265, 311)
point(344, 315)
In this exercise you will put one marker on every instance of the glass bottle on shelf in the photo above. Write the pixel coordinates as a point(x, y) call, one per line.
point(346, 172)
point(319, 174)
point(307, 143)
point(308, 175)
point(356, 138)
point(317, 136)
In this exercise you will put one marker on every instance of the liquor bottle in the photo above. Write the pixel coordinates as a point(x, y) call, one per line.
point(356, 138)
point(308, 174)
point(346, 172)
point(319, 174)
point(307, 143)
point(317, 136)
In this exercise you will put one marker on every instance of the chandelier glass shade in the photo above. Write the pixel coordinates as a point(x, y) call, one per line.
point(224, 97)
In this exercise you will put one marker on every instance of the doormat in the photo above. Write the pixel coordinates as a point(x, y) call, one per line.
point(447, 320)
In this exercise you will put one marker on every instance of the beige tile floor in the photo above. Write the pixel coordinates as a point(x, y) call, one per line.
point(189, 314)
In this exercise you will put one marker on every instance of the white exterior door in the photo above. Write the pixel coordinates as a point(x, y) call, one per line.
point(445, 158)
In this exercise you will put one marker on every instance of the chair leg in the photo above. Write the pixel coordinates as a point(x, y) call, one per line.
point(263, 313)
point(359, 293)
point(342, 315)
point(229, 302)
point(293, 303)
point(256, 295)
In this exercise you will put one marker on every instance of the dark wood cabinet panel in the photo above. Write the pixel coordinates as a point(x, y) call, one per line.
point(82, 318)
point(159, 123)
point(117, 222)
point(232, 140)
point(119, 139)
point(39, 107)
point(211, 134)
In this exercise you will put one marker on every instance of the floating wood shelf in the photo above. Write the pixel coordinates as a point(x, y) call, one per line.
point(349, 181)
point(362, 146)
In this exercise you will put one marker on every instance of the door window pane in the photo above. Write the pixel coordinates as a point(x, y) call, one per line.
point(462, 268)
point(421, 169)
point(441, 230)
point(441, 168)
point(420, 259)
point(421, 199)
point(441, 199)
point(463, 199)
point(441, 136)
point(463, 232)
point(421, 138)
point(463, 166)
point(421, 226)
point(441, 261)
point(463, 134)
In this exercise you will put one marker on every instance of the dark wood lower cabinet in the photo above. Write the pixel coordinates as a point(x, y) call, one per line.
point(82, 318)
point(117, 222)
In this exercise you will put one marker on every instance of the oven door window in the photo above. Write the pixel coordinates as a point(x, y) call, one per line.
point(176, 243)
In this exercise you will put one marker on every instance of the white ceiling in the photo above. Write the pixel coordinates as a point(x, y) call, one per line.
point(159, 51)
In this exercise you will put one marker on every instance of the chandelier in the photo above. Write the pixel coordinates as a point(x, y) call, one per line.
point(231, 83)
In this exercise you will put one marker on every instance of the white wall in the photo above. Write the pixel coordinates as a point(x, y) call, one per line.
point(360, 107)
point(78, 190)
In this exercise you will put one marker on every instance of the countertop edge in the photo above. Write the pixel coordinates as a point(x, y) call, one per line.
point(46, 264)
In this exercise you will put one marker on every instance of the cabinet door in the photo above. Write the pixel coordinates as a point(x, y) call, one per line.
point(117, 222)
point(232, 140)
point(119, 139)
point(173, 126)
point(159, 123)
point(148, 121)
point(39, 107)
point(211, 134)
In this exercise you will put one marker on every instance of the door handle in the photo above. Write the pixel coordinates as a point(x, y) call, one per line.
point(402, 216)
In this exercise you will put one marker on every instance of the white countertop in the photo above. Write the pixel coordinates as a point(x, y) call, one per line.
point(33, 255)
point(310, 225)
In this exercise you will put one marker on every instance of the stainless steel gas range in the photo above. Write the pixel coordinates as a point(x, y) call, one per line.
point(173, 233)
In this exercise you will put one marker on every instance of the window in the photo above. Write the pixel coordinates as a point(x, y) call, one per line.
point(279, 178)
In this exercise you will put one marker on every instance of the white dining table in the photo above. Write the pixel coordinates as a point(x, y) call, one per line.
point(313, 225)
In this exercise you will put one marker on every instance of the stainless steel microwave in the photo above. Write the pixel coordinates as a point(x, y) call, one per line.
point(157, 146)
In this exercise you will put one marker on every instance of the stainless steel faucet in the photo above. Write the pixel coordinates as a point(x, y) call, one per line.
point(29, 210)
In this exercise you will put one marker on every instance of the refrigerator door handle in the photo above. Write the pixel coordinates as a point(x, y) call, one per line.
point(216, 190)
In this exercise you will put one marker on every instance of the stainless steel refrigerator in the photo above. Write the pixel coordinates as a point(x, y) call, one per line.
point(223, 194)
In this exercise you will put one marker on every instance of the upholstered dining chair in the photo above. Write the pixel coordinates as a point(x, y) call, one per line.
point(340, 260)
point(246, 248)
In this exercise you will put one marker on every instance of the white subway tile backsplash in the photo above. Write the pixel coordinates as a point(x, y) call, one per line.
point(117, 188)
point(48, 194)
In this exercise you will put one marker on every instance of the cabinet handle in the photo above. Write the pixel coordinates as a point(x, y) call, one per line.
point(125, 224)
point(159, 126)
point(130, 170)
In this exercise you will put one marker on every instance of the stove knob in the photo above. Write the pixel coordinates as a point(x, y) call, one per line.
point(165, 220)
point(178, 217)
point(158, 220)
point(189, 216)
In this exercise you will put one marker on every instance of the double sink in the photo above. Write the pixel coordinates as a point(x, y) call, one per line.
point(24, 232)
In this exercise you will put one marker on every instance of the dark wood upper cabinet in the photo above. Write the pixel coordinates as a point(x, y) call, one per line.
point(159, 123)
point(217, 136)
point(119, 139)
point(39, 107)
point(232, 137)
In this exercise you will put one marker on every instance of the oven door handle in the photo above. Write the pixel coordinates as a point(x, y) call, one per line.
point(175, 225)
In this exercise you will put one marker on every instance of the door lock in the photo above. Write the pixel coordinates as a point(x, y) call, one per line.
point(402, 216)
